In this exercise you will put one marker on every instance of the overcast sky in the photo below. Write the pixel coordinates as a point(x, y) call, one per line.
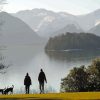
point(75, 7)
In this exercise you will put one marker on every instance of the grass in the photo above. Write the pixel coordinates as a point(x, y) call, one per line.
point(54, 96)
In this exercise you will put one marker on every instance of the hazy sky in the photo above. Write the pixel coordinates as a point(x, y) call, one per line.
point(75, 7)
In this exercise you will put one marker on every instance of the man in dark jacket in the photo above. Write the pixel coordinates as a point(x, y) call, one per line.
point(41, 79)
point(27, 83)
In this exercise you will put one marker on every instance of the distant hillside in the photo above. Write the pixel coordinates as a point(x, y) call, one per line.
point(89, 20)
point(45, 22)
point(72, 28)
point(15, 31)
point(73, 41)
point(95, 30)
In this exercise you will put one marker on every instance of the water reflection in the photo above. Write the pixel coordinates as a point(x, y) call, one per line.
point(69, 56)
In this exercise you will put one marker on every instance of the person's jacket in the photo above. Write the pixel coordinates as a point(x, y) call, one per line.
point(42, 77)
point(27, 81)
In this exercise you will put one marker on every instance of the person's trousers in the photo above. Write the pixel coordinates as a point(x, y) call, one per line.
point(27, 89)
point(41, 86)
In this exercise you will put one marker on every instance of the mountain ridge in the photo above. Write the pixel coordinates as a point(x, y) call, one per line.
point(15, 31)
point(46, 22)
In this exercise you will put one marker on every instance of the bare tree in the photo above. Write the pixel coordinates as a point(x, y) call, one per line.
point(2, 65)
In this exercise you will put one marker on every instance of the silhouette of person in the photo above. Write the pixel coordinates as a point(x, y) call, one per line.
point(27, 83)
point(42, 79)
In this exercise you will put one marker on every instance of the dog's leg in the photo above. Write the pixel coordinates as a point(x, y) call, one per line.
point(12, 91)
point(2, 91)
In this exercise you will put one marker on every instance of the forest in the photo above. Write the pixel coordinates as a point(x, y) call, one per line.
point(73, 41)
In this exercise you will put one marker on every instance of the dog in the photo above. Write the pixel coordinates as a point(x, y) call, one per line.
point(1, 90)
point(6, 91)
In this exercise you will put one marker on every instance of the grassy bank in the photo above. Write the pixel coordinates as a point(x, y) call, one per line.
point(54, 96)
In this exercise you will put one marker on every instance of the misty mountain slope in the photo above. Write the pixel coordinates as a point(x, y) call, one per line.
point(15, 31)
point(69, 28)
point(45, 22)
point(95, 30)
point(89, 20)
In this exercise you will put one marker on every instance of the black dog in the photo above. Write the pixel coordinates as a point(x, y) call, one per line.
point(1, 90)
point(6, 91)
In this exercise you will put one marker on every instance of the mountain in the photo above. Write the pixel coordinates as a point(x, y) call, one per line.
point(72, 41)
point(95, 30)
point(45, 22)
point(89, 21)
point(15, 31)
point(69, 28)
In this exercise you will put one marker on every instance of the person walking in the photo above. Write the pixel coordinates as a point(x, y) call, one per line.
point(42, 79)
point(27, 83)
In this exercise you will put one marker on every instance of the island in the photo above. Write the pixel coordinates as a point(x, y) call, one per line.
point(73, 41)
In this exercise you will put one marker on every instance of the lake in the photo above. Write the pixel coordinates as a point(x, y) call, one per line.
point(28, 58)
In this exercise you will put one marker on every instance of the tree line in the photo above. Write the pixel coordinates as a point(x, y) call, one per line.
point(73, 41)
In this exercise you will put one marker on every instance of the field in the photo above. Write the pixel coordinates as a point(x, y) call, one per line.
point(54, 96)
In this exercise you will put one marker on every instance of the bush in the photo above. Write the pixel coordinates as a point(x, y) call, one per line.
point(83, 79)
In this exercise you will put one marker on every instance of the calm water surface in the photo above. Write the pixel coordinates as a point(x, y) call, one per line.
point(28, 58)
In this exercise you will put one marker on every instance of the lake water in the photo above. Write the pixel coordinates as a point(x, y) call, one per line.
point(28, 58)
